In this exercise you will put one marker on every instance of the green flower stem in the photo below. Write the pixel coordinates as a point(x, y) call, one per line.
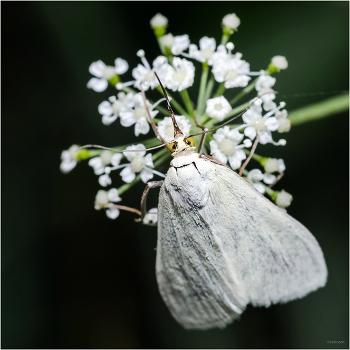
point(162, 155)
point(175, 104)
point(221, 89)
point(320, 110)
point(202, 89)
point(225, 38)
point(244, 92)
point(113, 81)
point(162, 48)
point(187, 101)
point(210, 87)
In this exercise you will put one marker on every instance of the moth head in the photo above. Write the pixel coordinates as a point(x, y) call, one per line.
point(181, 143)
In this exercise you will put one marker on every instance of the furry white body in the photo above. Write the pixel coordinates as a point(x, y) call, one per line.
point(222, 245)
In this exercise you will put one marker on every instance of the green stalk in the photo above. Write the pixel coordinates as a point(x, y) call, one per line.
point(187, 101)
point(224, 39)
point(320, 110)
point(244, 92)
point(210, 87)
point(221, 89)
point(202, 89)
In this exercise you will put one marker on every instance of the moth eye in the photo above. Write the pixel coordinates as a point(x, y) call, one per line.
point(190, 141)
point(172, 146)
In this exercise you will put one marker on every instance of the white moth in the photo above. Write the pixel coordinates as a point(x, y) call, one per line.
point(222, 245)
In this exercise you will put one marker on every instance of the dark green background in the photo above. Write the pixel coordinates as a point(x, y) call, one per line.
point(72, 278)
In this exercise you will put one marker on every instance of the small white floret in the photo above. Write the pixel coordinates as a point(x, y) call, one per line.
point(284, 199)
point(280, 62)
point(218, 108)
point(231, 21)
point(158, 20)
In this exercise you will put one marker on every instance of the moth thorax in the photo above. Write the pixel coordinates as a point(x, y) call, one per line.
point(137, 164)
point(259, 123)
point(227, 147)
point(231, 74)
point(179, 76)
point(140, 112)
point(150, 76)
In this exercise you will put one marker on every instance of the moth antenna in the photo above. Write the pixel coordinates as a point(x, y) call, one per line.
point(119, 150)
point(177, 130)
point(154, 127)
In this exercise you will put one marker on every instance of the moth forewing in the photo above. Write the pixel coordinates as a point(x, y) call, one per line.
point(222, 245)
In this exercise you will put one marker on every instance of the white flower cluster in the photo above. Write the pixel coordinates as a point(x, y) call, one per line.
point(229, 144)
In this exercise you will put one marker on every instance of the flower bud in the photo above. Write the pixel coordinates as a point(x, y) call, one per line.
point(167, 40)
point(271, 165)
point(230, 23)
point(284, 199)
point(159, 24)
point(277, 63)
point(101, 199)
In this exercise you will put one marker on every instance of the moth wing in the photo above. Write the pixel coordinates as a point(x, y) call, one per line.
point(195, 278)
point(275, 256)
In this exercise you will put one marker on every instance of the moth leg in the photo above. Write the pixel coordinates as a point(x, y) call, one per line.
point(250, 155)
point(151, 184)
point(201, 144)
point(279, 177)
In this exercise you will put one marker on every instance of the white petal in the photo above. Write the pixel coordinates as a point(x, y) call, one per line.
point(269, 178)
point(207, 43)
point(98, 85)
point(255, 174)
point(67, 166)
point(121, 66)
point(235, 162)
point(146, 175)
point(127, 118)
point(265, 138)
point(97, 68)
point(259, 187)
point(104, 180)
point(113, 195)
point(112, 213)
point(148, 160)
point(272, 123)
point(115, 160)
point(105, 108)
point(281, 166)
point(250, 132)
point(127, 174)
point(108, 119)
point(141, 126)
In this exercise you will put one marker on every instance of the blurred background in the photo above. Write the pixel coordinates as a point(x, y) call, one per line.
point(71, 277)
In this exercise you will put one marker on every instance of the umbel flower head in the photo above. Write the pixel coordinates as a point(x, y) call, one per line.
point(218, 68)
